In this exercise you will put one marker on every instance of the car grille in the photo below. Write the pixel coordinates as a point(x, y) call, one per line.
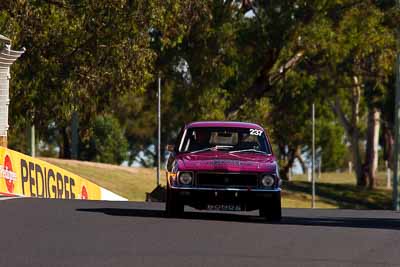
point(226, 180)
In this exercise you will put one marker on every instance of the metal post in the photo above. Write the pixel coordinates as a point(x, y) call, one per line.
point(313, 157)
point(396, 157)
point(388, 175)
point(158, 131)
point(33, 145)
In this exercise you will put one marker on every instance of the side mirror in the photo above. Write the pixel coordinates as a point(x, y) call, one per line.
point(170, 148)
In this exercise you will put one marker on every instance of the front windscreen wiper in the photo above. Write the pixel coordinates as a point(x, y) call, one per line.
point(212, 148)
point(249, 150)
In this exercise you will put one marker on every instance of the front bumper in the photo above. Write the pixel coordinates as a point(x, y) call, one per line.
point(246, 199)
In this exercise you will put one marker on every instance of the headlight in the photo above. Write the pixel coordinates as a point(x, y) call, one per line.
point(185, 178)
point(268, 180)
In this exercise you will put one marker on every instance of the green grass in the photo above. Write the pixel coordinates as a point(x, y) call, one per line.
point(294, 199)
point(131, 183)
point(333, 190)
point(342, 178)
point(337, 190)
point(332, 195)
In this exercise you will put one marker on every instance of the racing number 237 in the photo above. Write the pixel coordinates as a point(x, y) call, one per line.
point(255, 132)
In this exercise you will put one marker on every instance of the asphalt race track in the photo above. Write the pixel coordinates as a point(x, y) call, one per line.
point(38, 232)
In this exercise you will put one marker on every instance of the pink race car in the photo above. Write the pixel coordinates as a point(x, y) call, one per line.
point(223, 166)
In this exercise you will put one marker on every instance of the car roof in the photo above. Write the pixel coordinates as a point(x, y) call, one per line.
point(233, 124)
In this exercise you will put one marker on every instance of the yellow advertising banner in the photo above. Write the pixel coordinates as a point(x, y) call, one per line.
point(22, 175)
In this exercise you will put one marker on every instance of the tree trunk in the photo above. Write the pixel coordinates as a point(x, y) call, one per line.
point(65, 148)
point(351, 129)
point(388, 143)
point(354, 139)
point(290, 156)
point(302, 164)
point(162, 157)
point(358, 167)
point(371, 155)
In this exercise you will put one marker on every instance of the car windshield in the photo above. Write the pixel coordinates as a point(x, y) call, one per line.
point(232, 140)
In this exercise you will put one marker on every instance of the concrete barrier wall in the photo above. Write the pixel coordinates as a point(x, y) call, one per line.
point(22, 175)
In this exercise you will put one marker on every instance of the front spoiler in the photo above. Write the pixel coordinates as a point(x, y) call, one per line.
point(224, 189)
point(247, 199)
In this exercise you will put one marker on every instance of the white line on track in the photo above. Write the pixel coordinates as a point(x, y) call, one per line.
point(7, 198)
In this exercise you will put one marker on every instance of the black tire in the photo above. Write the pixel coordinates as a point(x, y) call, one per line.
point(272, 211)
point(173, 207)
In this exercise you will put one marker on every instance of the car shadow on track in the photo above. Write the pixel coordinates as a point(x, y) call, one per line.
point(327, 221)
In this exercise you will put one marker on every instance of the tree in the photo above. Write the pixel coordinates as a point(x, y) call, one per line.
point(354, 60)
point(106, 143)
point(224, 53)
point(81, 56)
point(271, 45)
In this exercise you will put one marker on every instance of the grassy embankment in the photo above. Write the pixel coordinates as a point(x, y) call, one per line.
point(334, 190)
point(337, 190)
point(131, 183)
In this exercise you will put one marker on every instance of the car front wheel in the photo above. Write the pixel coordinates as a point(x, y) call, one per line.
point(173, 207)
point(272, 210)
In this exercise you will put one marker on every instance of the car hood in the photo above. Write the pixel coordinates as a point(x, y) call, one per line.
point(224, 161)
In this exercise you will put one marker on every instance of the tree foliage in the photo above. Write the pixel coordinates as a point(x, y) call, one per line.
point(260, 61)
point(106, 143)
